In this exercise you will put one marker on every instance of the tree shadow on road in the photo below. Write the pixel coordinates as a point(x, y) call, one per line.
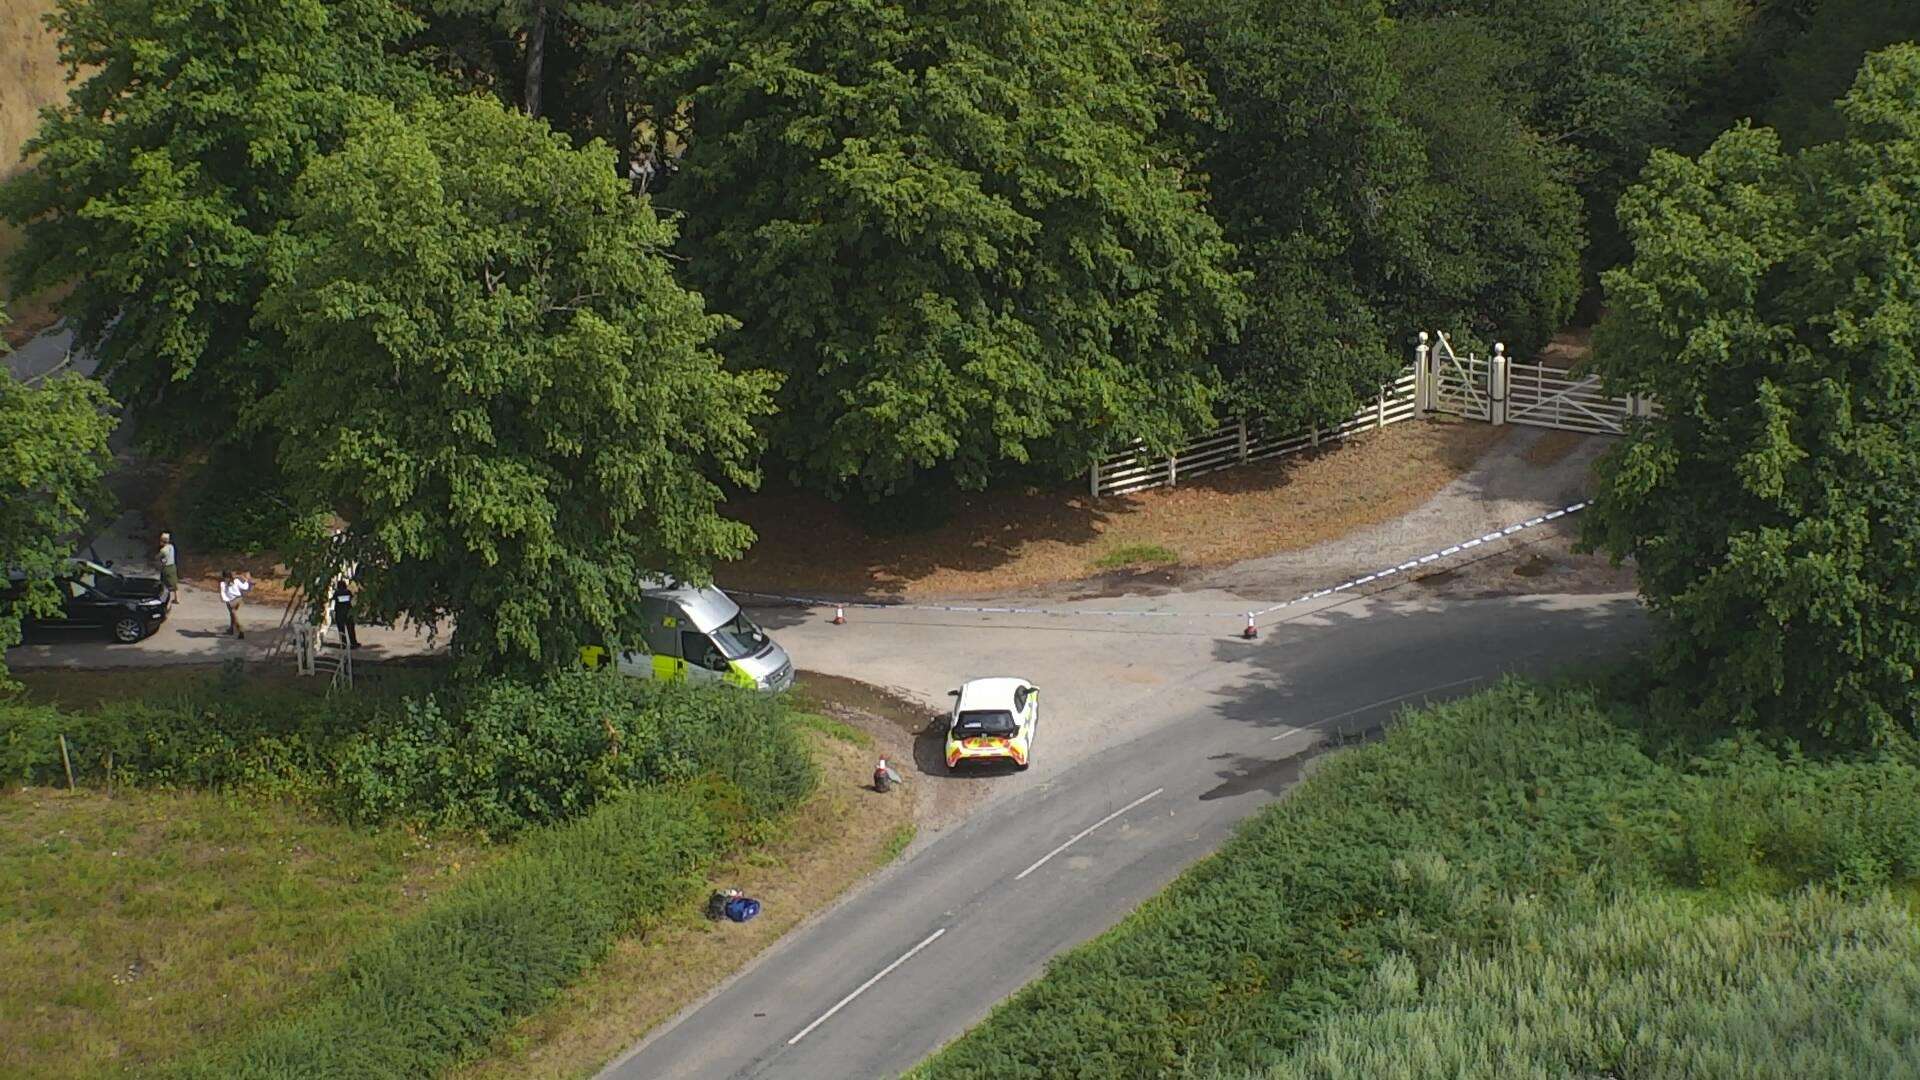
point(1344, 676)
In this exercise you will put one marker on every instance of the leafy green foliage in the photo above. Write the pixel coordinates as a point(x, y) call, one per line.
point(53, 452)
point(1501, 229)
point(1436, 841)
point(1813, 988)
point(1773, 309)
point(494, 948)
point(595, 65)
point(495, 379)
point(154, 188)
point(1368, 197)
point(1306, 167)
point(509, 754)
point(958, 228)
point(238, 501)
point(498, 757)
point(1609, 80)
point(1815, 66)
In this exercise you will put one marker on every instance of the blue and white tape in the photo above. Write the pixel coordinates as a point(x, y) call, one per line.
point(1251, 616)
point(1430, 557)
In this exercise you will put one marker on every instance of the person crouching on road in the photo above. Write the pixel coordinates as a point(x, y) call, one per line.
point(343, 612)
point(232, 587)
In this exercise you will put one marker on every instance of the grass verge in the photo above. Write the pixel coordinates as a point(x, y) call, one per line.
point(1137, 555)
point(835, 839)
point(489, 975)
point(1436, 847)
point(446, 982)
point(130, 923)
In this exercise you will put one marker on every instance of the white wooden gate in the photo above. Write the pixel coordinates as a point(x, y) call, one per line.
point(1550, 397)
point(1493, 389)
point(1461, 385)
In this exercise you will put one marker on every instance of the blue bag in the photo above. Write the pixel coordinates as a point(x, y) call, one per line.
point(741, 908)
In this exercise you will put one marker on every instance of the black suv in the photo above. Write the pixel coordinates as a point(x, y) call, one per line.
point(93, 597)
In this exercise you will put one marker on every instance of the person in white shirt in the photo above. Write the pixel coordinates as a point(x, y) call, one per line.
point(232, 587)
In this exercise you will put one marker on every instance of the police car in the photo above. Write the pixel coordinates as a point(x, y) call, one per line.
point(993, 720)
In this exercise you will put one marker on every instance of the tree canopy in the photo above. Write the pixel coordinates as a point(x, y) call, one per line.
point(1370, 191)
point(53, 452)
point(957, 228)
point(1772, 307)
point(495, 379)
point(154, 188)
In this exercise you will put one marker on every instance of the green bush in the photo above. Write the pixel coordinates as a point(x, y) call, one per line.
point(493, 949)
point(496, 757)
point(1426, 842)
point(507, 755)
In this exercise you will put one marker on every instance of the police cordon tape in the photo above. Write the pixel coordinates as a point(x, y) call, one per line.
point(840, 606)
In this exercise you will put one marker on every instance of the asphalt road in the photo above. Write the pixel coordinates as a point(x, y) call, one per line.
point(924, 950)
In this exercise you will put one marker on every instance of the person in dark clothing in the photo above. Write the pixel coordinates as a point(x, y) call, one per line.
point(343, 611)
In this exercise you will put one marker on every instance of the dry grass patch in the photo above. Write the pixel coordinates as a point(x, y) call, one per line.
point(1553, 448)
point(845, 831)
point(1003, 541)
point(136, 926)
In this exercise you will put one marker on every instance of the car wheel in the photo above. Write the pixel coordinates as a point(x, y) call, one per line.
point(127, 630)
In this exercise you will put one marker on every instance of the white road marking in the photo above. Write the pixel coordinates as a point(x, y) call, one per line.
point(863, 987)
point(1377, 704)
point(1082, 834)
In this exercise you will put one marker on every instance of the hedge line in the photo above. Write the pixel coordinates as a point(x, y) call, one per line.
point(494, 948)
point(495, 757)
point(1521, 791)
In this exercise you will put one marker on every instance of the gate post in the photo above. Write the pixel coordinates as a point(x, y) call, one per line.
point(1497, 386)
point(1093, 478)
point(1243, 440)
point(1422, 379)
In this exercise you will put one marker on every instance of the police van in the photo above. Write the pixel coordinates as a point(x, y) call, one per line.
point(697, 634)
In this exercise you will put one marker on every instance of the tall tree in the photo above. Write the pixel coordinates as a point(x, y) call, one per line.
point(956, 227)
point(1772, 307)
point(1307, 168)
point(1609, 80)
point(1501, 226)
point(588, 67)
point(497, 383)
point(1368, 198)
point(53, 452)
point(154, 188)
point(1817, 62)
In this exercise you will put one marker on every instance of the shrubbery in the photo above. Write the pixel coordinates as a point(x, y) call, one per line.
point(492, 949)
point(1422, 845)
point(509, 754)
point(495, 757)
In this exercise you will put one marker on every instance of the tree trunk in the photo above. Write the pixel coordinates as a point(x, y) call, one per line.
point(536, 55)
